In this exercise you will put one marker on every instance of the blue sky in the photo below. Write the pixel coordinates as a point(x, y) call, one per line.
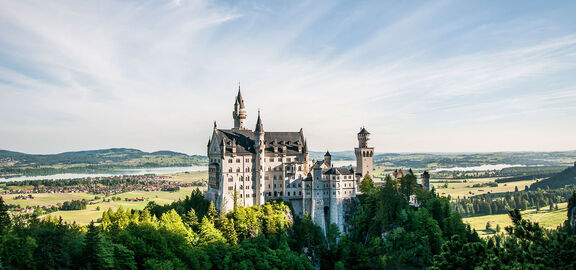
point(437, 76)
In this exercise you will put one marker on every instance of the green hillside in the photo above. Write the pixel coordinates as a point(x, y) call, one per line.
point(15, 163)
point(566, 177)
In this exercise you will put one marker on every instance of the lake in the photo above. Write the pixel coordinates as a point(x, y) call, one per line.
point(142, 171)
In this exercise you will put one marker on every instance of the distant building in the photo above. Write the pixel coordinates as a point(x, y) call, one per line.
point(249, 167)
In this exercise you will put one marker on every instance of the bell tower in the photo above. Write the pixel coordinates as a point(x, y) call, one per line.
point(239, 113)
point(364, 153)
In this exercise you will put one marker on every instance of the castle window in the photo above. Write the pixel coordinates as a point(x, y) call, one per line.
point(271, 159)
point(266, 177)
point(274, 177)
point(288, 193)
point(247, 160)
point(247, 178)
point(275, 194)
point(274, 185)
point(333, 192)
point(288, 159)
point(237, 160)
point(231, 179)
point(230, 161)
point(241, 187)
point(247, 195)
point(299, 192)
point(237, 169)
point(253, 195)
point(230, 188)
point(230, 170)
point(299, 168)
point(268, 185)
point(269, 193)
point(279, 159)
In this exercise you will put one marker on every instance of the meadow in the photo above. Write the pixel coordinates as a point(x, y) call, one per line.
point(464, 187)
point(94, 211)
point(546, 218)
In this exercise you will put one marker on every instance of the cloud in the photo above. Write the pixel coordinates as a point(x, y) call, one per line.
point(155, 74)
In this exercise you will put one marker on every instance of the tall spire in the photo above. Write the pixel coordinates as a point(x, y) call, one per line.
point(239, 99)
point(239, 113)
point(259, 126)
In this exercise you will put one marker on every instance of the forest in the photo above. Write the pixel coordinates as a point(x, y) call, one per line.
point(385, 232)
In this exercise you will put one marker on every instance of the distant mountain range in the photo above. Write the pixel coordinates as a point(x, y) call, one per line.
point(448, 160)
point(14, 163)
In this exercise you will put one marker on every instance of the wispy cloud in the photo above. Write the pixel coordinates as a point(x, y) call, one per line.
point(154, 74)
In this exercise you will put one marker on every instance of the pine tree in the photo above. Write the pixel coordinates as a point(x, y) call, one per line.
point(94, 255)
point(192, 219)
point(229, 231)
point(4, 217)
point(212, 212)
point(367, 184)
point(209, 233)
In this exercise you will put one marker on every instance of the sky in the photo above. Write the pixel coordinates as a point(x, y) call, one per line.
point(421, 76)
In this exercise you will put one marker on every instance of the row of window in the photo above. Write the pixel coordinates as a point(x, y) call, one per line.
point(345, 177)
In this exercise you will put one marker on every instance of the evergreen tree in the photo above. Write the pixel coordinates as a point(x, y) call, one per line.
point(94, 255)
point(229, 231)
point(4, 217)
point(367, 184)
point(212, 212)
point(191, 219)
point(209, 233)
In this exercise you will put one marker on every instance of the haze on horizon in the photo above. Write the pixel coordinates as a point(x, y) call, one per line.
point(437, 76)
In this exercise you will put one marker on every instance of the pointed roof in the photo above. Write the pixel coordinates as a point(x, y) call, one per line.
point(327, 154)
point(239, 99)
point(259, 127)
point(363, 131)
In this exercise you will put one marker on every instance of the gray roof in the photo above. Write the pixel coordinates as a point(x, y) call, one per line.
point(244, 140)
point(339, 170)
point(363, 131)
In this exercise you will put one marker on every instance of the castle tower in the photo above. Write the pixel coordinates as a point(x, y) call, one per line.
point(239, 113)
point(328, 159)
point(259, 166)
point(425, 180)
point(364, 153)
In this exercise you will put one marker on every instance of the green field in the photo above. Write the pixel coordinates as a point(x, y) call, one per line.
point(47, 199)
point(190, 177)
point(460, 188)
point(544, 217)
point(92, 214)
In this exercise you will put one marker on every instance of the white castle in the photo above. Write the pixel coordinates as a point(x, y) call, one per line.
point(251, 167)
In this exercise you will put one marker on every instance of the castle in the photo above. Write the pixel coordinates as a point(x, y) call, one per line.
point(249, 167)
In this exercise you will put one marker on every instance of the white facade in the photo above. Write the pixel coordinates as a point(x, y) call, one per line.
point(251, 167)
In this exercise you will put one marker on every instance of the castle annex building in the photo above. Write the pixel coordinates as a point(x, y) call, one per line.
point(249, 167)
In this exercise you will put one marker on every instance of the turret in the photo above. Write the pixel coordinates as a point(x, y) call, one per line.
point(363, 138)
point(425, 180)
point(239, 113)
point(259, 132)
point(328, 159)
point(364, 153)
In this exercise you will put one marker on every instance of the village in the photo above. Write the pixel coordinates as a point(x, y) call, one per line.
point(31, 196)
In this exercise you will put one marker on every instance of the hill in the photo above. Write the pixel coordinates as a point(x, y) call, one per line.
point(565, 177)
point(15, 163)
